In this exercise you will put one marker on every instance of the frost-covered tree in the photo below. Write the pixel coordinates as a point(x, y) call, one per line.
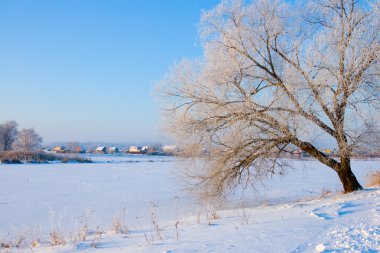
point(8, 134)
point(27, 140)
point(276, 76)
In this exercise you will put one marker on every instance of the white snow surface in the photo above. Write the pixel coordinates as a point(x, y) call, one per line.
point(287, 214)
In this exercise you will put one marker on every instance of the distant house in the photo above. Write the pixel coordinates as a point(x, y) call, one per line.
point(59, 149)
point(113, 150)
point(79, 149)
point(101, 150)
point(328, 151)
point(297, 153)
point(145, 149)
point(135, 150)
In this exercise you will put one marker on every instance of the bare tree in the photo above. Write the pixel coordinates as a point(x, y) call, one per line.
point(8, 133)
point(275, 76)
point(27, 140)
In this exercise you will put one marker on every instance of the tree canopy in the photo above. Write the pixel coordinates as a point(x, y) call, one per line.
point(274, 76)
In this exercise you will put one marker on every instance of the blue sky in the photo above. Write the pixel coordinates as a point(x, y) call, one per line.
point(85, 70)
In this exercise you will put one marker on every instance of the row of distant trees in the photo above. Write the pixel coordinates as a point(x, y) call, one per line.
point(11, 139)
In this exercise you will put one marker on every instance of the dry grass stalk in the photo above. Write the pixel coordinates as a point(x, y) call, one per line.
point(156, 229)
point(56, 237)
point(198, 217)
point(20, 240)
point(177, 230)
point(36, 238)
point(176, 224)
point(265, 203)
point(244, 217)
point(149, 238)
point(373, 179)
point(212, 215)
point(82, 231)
point(119, 224)
point(34, 243)
point(97, 237)
point(5, 244)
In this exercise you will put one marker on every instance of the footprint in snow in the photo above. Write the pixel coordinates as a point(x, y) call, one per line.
point(347, 208)
point(335, 211)
point(321, 213)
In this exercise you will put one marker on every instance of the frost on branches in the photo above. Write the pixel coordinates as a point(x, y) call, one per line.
point(276, 76)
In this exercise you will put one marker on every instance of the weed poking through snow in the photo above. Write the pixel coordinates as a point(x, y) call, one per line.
point(119, 224)
point(97, 237)
point(156, 229)
point(212, 214)
point(176, 223)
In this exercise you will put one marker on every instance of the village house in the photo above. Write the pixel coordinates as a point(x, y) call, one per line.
point(135, 150)
point(297, 153)
point(59, 149)
point(79, 149)
point(113, 150)
point(101, 150)
point(145, 149)
point(328, 151)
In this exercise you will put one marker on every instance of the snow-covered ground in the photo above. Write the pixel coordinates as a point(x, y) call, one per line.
point(287, 214)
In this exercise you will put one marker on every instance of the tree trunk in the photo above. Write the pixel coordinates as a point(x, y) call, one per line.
point(348, 179)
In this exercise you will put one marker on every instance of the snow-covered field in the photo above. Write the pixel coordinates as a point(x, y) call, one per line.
point(287, 214)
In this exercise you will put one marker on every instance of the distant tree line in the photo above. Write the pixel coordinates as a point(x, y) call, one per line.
point(11, 139)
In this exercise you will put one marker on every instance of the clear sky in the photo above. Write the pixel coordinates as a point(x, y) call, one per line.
point(84, 70)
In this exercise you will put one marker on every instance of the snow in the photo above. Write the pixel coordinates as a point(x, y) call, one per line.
point(287, 214)
point(320, 247)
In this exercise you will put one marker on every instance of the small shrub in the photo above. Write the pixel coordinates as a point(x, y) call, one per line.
point(78, 159)
point(119, 224)
point(82, 229)
point(56, 237)
point(212, 214)
point(5, 244)
point(35, 235)
point(35, 243)
point(373, 179)
point(13, 241)
point(16, 157)
point(20, 240)
point(97, 237)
